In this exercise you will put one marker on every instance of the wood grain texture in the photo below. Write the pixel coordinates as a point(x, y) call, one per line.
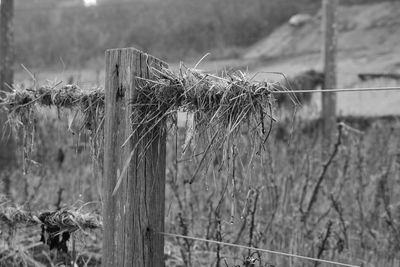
point(329, 29)
point(135, 214)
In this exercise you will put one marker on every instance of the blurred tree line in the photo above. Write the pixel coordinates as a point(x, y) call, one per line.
point(50, 31)
point(47, 31)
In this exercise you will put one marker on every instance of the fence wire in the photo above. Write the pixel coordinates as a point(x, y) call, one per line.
point(257, 249)
point(337, 90)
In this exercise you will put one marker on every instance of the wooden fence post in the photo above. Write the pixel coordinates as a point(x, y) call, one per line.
point(134, 215)
point(6, 44)
point(329, 29)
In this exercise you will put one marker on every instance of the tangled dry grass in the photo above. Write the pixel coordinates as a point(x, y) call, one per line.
point(68, 96)
point(66, 219)
point(90, 102)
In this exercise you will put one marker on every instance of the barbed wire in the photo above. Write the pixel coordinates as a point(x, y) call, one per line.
point(257, 249)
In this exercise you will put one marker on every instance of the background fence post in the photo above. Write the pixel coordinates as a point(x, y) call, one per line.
point(7, 143)
point(134, 215)
point(6, 44)
point(329, 29)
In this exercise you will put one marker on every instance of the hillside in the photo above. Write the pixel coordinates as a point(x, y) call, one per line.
point(362, 28)
point(369, 40)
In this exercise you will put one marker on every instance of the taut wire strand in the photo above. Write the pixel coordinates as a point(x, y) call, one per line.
point(257, 249)
point(340, 90)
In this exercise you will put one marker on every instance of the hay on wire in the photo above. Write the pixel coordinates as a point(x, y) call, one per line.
point(67, 220)
point(217, 102)
point(67, 96)
point(219, 105)
point(20, 102)
point(190, 90)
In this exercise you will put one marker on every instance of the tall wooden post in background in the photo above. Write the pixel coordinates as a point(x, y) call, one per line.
point(6, 44)
point(134, 215)
point(329, 52)
point(7, 144)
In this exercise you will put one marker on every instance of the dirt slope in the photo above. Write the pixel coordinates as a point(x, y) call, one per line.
point(362, 28)
point(369, 41)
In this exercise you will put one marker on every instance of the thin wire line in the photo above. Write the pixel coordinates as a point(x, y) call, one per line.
point(257, 249)
point(337, 90)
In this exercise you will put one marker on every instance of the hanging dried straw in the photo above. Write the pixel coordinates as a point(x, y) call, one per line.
point(219, 103)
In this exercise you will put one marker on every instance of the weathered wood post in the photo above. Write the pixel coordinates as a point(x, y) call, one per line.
point(134, 215)
point(6, 44)
point(329, 29)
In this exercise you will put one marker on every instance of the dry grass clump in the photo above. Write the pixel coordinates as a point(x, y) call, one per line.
point(217, 100)
point(67, 219)
point(89, 102)
point(70, 220)
point(218, 105)
point(67, 96)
